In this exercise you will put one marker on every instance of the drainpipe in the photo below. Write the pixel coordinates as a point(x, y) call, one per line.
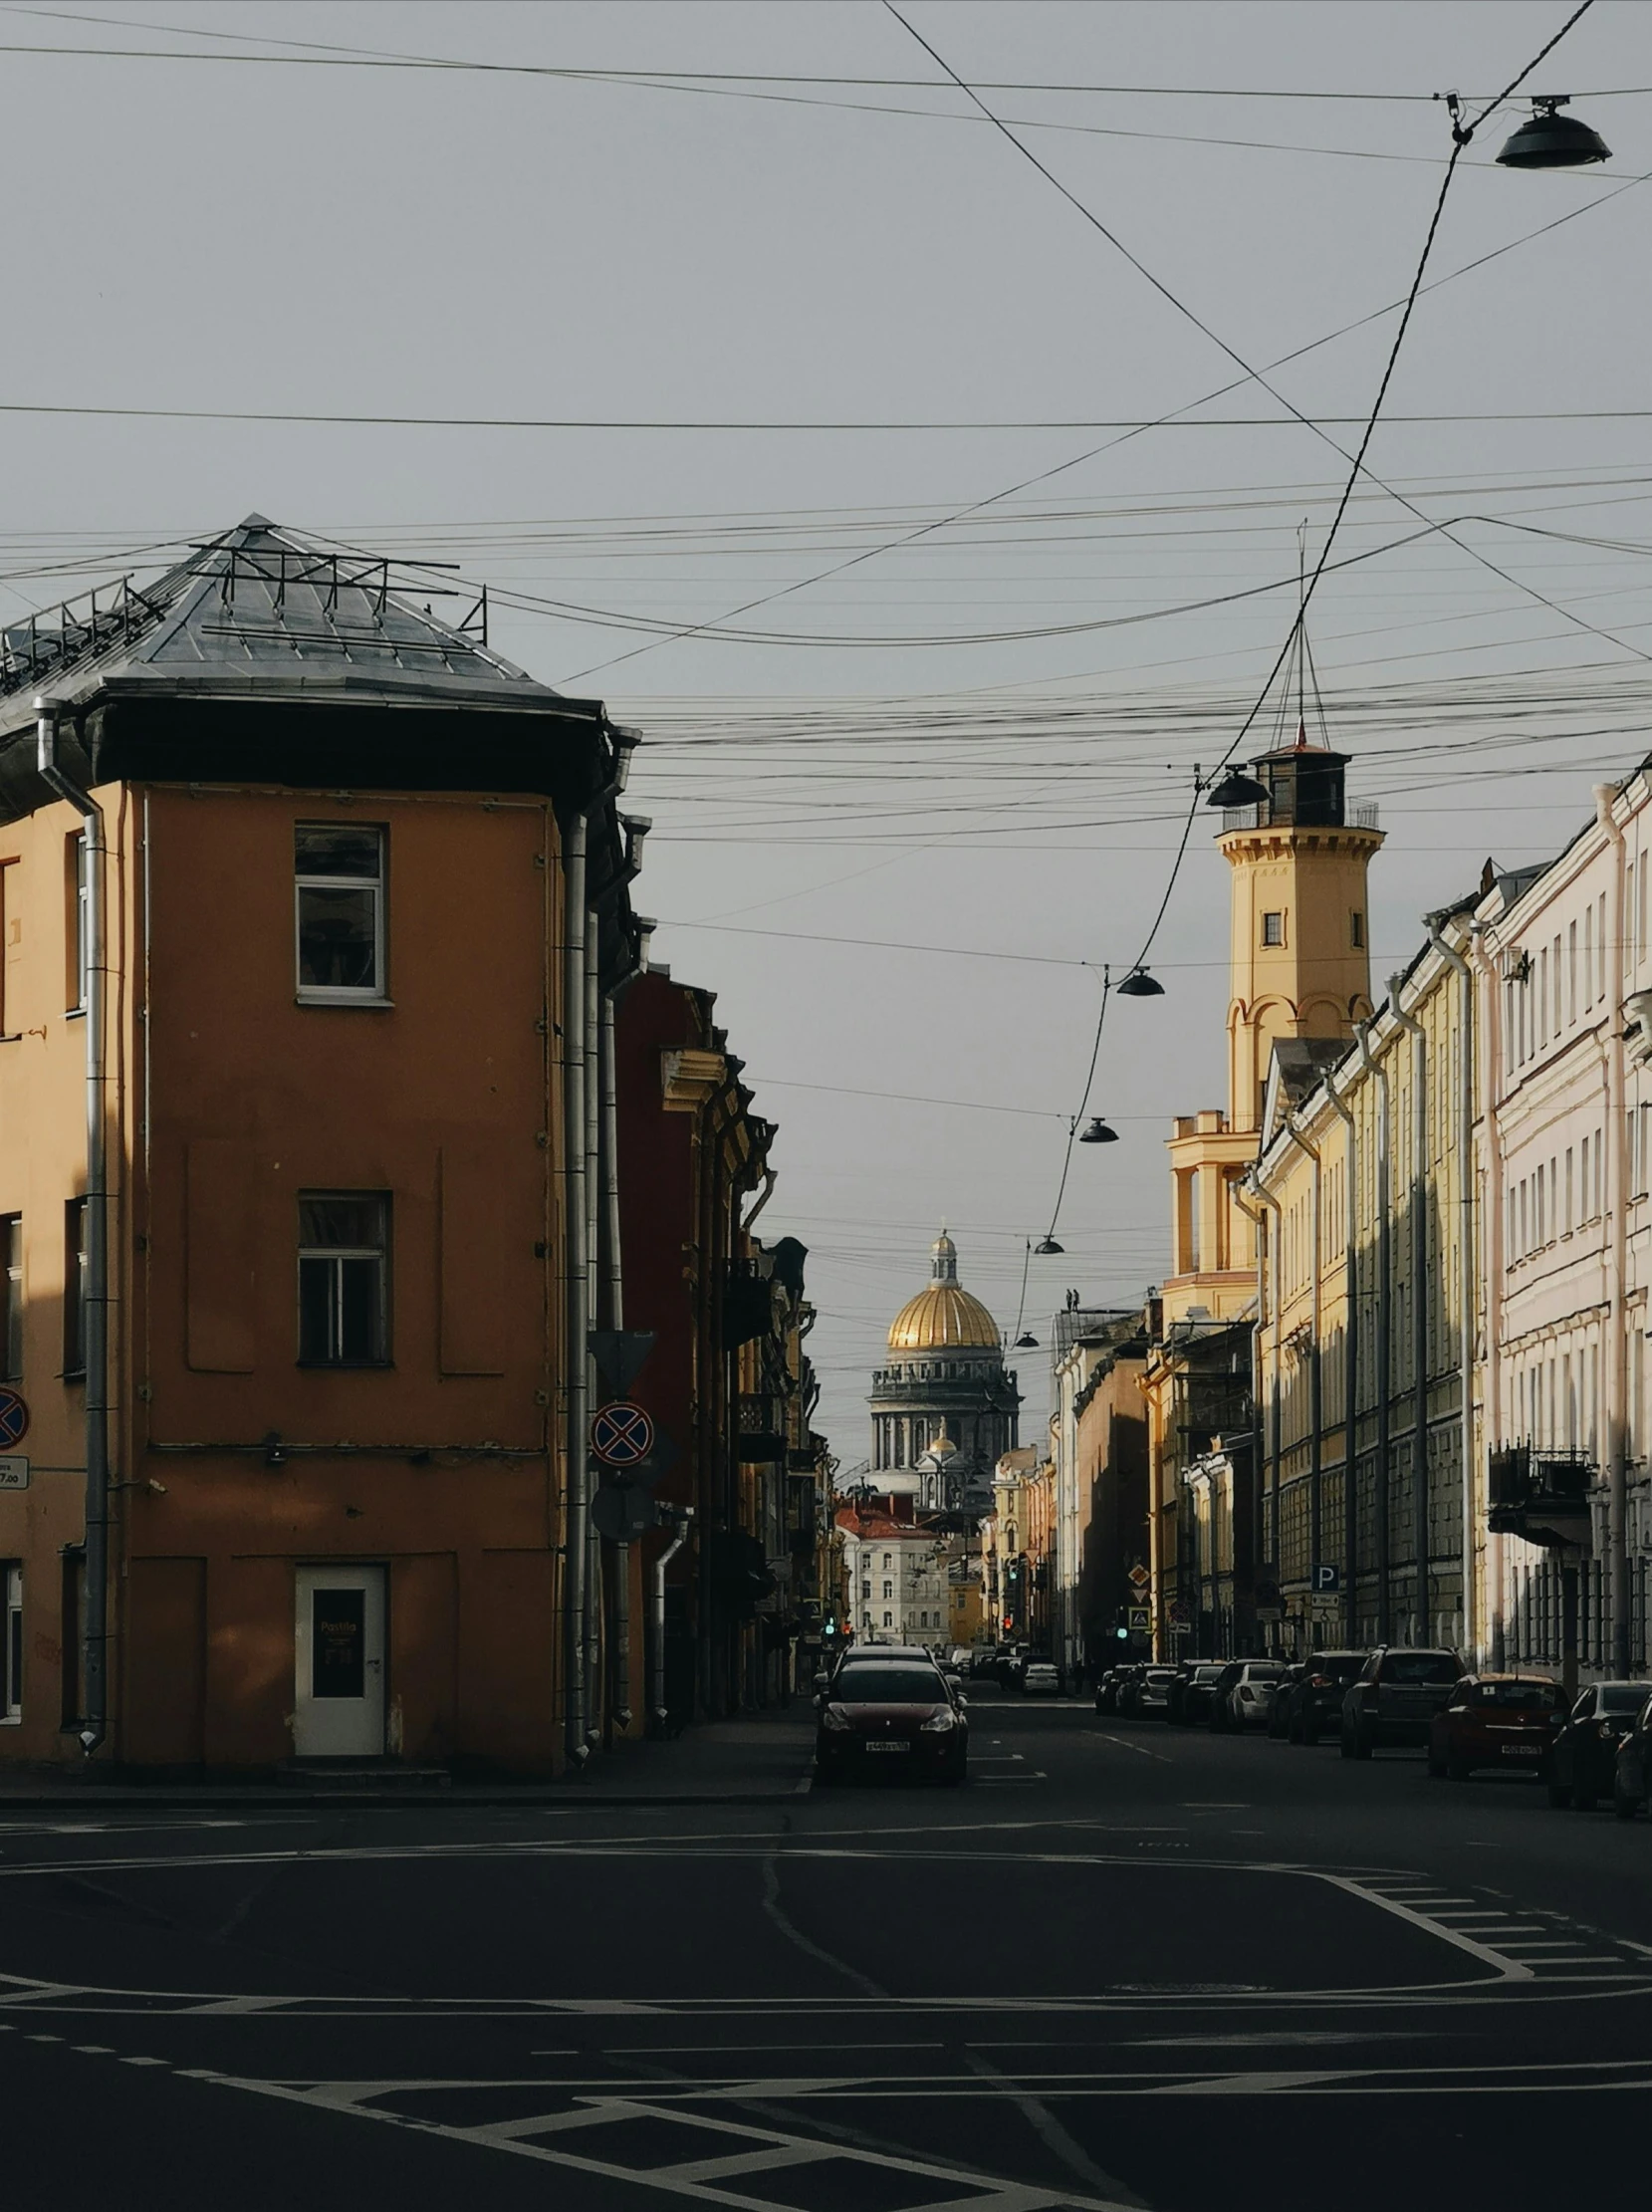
point(95, 1620)
point(1617, 1350)
point(1315, 1400)
point(1419, 1301)
point(576, 1521)
point(1379, 1075)
point(1465, 1171)
point(1351, 1355)
point(1495, 1260)
point(684, 1517)
point(593, 1224)
point(615, 1296)
point(1258, 1219)
point(621, 1689)
point(1272, 1243)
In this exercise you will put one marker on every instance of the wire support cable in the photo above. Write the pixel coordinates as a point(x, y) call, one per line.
point(1461, 135)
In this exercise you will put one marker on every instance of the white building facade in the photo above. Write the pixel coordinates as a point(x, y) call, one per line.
point(1564, 1160)
point(896, 1577)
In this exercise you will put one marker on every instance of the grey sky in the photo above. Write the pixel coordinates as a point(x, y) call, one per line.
point(225, 235)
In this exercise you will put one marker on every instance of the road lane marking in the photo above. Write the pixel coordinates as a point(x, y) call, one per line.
point(1510, 1969)
point(985, 2192)
point(1100, 1736)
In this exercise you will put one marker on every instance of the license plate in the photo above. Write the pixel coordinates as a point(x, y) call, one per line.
point(1522, 1751)
point(889, 1747)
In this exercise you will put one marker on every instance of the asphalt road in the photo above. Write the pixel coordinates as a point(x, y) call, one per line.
point(1126, 1966)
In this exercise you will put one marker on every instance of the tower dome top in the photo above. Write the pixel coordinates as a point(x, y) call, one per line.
point(943, 1316)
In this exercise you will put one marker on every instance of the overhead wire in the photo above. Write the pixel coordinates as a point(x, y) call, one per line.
point(1461, 137)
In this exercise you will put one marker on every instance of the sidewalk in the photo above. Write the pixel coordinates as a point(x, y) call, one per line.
point(757, 1759)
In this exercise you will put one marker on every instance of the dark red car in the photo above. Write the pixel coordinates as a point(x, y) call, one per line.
point(891, 1717)
point(1497, 1720)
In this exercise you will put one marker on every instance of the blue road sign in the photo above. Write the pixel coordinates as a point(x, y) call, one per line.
point(1327, 1578)
point(14, 1418)
point(622, 1434)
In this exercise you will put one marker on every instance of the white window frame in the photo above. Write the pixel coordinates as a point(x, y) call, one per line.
point(374, 993)
point(335, 1257)
point(82, 937)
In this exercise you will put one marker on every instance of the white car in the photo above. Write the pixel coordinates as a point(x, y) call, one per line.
point(1040, 1679)
point(1251, 1699)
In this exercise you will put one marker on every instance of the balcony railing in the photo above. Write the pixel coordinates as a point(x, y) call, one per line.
point(1363, 815)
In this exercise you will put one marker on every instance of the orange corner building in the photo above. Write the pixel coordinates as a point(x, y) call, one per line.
point(313, 910)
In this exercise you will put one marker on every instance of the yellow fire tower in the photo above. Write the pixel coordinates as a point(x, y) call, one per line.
point(1299, 967)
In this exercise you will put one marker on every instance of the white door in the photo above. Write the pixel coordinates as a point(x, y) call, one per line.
point(339, 1646)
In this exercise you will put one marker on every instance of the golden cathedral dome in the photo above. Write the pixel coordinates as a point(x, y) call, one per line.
point(943, 1317)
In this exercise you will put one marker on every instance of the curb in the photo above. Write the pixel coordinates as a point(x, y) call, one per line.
point(571, 1799)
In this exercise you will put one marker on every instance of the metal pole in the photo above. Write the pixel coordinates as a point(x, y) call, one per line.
point(1384, 1227)
point(1350, 1358)
point(684, 1516)
point(595, 1685)
point(1617, 1201)
point(1494, 1260)
point(1315, 1397)
point(576, 1520)
point(1419, 1304)
point(1465, 1277)
point(620, 1692)
point(95, 1610)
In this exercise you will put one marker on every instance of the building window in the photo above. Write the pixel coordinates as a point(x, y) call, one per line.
point(343, 1278)
point(11, 1297)
point(6, 866)
point(1356, 930)
point(11, 1640)
point(75, 1220)
point(1273, 929)
point(889, 1589)
point(887, 1563)
point(340, 877)
point(75, 945)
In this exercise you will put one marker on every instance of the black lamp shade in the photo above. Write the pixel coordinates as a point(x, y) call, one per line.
point(1048, 1246)
point(1099, 1133)
point(1138, 984)
point(1239, 789)
point(1547, 139)
point(1025, 1341)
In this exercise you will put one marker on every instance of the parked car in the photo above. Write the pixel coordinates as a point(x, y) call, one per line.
point(1284, 1691)
point(1316, 1701)
point(1632, 1770)
point(1130, 1678)
point(1194, 1703)
point(983, 1661)
point(1496, 1720)
point(1039, 1678)
point(1245, 1693)
point(892, 1716)
point(1152, 1690)
point(1395, 1697)
point(1012, 1657)
point(1584, 1761)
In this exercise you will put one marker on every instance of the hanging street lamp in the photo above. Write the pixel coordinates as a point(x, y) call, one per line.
point(1547, 139)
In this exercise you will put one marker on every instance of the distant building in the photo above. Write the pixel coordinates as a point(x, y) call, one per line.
point(895, 1574)
point(944, 1408)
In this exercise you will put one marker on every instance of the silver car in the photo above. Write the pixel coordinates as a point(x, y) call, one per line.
point(1250, 1698)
